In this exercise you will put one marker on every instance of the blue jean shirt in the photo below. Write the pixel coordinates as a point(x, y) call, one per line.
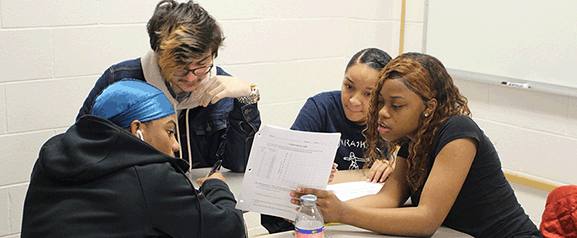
point(223, 130)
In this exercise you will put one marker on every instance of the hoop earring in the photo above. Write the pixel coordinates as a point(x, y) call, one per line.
point(139, 133)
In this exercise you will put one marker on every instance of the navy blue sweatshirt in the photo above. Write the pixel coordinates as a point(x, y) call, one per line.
point(324, 113)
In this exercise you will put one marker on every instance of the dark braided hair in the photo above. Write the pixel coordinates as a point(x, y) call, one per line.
point(373, 57)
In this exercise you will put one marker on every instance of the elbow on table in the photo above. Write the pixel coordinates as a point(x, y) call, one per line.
point(424, 227)
point(428, 229)
point(428, 221)
point(424, 232)
point(429, 232)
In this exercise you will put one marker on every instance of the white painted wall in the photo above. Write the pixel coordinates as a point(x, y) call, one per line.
point(52, 52)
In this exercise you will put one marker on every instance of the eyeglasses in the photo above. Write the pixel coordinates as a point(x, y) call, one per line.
point(200, 71)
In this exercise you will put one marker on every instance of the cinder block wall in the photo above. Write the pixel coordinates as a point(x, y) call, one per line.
point(52, 52)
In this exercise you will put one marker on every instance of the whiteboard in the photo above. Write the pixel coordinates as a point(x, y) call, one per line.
point(522, 41)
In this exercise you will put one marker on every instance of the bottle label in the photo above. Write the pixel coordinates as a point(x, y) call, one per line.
point(314, 233)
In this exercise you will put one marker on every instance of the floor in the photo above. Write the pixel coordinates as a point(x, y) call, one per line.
point(532, 200)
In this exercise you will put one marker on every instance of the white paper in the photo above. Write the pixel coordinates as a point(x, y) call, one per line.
point(351, 190)
point(280, 161)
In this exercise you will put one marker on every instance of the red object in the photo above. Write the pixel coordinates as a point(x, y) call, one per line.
point(560, 215)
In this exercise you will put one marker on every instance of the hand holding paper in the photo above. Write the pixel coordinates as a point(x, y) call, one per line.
point(282, 160)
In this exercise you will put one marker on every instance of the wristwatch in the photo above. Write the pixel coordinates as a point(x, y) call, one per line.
point(252, 98)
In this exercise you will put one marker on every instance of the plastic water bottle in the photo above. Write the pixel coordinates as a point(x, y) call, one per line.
point(309, 222)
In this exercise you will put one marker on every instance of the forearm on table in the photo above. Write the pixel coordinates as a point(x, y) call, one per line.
point(382, 213)
point(406, 221)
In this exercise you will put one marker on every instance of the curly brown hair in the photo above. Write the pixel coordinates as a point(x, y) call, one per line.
point(427, 77)
point(181, 33)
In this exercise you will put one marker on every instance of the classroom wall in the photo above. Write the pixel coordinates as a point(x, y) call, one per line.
point(52, 52)
point(534, 132)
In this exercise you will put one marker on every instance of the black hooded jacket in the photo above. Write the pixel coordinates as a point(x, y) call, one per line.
point(98, 180)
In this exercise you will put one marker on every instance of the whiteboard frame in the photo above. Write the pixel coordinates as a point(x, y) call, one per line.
point(492, 79)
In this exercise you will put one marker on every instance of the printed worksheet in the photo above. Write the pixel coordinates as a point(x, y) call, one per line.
point(280, 161)
point(352, 190)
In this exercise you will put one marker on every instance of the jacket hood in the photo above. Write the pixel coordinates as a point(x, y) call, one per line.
point(94, 147)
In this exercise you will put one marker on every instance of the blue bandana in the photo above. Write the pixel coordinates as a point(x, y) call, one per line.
point(130, 99)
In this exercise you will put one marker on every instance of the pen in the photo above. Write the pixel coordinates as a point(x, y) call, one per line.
point(215, 167)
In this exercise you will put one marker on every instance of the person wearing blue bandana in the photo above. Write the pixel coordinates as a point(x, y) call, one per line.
point(114, 174)
point(129, 100)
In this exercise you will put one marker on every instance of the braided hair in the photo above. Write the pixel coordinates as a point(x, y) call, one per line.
point(372, 57)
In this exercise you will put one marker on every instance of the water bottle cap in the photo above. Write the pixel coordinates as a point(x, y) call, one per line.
point(309, 198)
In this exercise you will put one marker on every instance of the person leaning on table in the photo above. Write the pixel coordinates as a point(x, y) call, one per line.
point(217, 114)
point(446, 163)
point(113, 174)
point(343, 111)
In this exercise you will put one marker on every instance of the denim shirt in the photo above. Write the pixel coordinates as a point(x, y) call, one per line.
point(223, 130)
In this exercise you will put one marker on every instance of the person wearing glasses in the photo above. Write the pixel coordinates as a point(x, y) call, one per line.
point(217, 114)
